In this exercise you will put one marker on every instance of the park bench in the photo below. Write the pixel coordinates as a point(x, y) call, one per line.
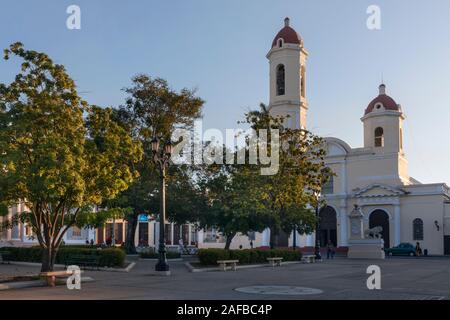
point(309, 259)
point(50, 276)
point(224, 263)
point(275, 261)
point(83, 261)
point(5, 257)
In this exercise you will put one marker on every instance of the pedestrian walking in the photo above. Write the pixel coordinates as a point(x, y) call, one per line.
point(330, 250)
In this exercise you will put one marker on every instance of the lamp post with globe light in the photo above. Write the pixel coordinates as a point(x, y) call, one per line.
point(161, 157)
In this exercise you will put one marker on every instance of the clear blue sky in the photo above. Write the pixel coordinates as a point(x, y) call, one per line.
point(219, 47)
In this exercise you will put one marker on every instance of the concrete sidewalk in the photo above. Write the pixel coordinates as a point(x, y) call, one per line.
point(418, 279)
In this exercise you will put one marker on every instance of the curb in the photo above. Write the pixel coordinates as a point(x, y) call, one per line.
point(36, 264)
point(22, 284)
point(249, 266)
point(31, 264)
point(156, 259)
point(127, 269)
point(35, 283)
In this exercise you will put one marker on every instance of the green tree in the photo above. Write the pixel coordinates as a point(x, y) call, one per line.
point(153, 108)
point(187, 198)
point(234, 201)
point(60, 155)
point(289, 194)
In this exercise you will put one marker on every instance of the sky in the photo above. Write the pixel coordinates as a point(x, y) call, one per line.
point(219, 48)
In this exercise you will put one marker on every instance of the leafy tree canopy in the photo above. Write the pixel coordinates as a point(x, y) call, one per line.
point(60, 155)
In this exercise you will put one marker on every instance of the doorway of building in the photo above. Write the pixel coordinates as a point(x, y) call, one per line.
point(379, 218)
point(328, 226)
point(447, 245)
point(143, 234)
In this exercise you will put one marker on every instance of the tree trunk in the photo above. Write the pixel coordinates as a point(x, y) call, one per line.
point(48, 259)
point(132, 221)
point(294, 239)
point(228, 241)
point(273, 237)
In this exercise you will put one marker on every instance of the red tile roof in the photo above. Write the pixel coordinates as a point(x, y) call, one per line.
point(288, 34)
point(387, 102)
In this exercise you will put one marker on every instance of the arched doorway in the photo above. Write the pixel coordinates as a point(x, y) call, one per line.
point(379, 218)
point(328, 226)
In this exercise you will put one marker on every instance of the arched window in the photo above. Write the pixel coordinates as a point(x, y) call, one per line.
point(280, 80)
point(280, 43)
point(303, 82)
point(379, 137)
point(418, 229)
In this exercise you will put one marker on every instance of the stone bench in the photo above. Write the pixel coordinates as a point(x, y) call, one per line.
point(223, 264)
point(309, 259)
point(50, 276)
point(275, 261)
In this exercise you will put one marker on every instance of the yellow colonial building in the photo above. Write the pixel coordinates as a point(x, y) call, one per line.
point(375, 177)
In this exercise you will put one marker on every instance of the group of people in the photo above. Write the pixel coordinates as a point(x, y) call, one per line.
point(184, 249)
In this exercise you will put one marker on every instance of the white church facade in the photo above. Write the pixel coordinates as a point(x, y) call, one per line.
point(375, 177)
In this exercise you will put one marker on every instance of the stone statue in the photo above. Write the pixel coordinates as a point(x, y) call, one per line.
point(364, 244)
point(356, 223)
point(374, 233)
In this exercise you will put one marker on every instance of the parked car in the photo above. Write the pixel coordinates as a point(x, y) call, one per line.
point(403, 249)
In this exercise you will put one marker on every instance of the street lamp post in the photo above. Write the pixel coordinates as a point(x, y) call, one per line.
point(317, 247)
point(161, 159)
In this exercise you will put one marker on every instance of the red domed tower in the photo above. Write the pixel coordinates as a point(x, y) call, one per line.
point(383, 124)
point(287, 59)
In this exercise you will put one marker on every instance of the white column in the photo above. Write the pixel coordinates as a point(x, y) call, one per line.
point(91, 235)
point(150, 233)
point(344, 227)
point(343, 179)
point(189, 234)
point(157, 235)
point(309, 240)
point(136, 236)
point(9, 230)
point(266, 238)
point(397, 223)
point(200, 236)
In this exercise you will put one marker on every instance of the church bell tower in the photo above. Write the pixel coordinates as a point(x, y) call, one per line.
point(383, 124)
point(287, 59)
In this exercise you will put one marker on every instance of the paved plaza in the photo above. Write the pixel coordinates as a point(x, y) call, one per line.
point(421, 279)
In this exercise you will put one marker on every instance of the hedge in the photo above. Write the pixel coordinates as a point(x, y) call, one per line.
point(110, 257)
point(211, 256)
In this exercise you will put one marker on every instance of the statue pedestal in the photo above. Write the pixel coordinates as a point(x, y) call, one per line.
point(366, 249)
point(359, 246)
